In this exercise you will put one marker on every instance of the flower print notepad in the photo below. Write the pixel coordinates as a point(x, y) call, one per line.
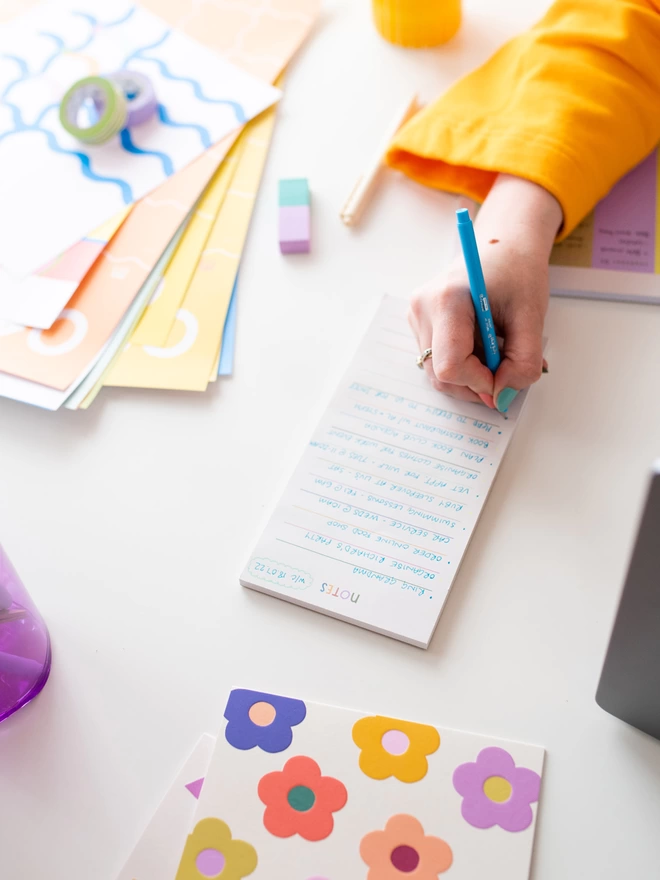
point(375, 520)
point(307, 791)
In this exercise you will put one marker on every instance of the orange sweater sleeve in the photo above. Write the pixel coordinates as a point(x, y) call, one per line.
point(572, 104)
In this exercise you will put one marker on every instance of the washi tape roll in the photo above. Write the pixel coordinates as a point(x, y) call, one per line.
point(139, 94)
point(94, 110)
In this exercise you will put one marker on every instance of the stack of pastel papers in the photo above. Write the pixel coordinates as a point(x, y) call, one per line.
point(295, 789)
point(119, 261)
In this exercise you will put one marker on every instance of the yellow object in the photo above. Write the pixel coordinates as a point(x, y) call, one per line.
point(377, 737)
point(213, 837)
point(158, 319)
point(417, 23)
point(498, 789)
point(216, 364)
point(106, 230)
point(572, 104)
point(169, 365)
point(185, 362)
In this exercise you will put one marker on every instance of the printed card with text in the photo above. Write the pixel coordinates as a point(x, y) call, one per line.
point(312, 792)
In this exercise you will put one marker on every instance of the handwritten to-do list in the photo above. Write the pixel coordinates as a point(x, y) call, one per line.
point(375, 520)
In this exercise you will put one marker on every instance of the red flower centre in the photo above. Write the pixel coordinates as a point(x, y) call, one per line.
point(404, 858)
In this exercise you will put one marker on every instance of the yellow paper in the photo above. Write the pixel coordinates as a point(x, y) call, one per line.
point(158, 320)
point(216, 365)
point(93, 382)
point(226, 172)
point(185, 363)
point(106, 230)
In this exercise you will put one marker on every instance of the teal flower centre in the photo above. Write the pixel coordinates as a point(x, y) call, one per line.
point(301, 798)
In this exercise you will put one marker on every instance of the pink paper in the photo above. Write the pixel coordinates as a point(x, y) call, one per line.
point(624, 227)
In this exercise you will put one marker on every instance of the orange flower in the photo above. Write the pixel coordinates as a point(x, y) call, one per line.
point(403, 848)
point(392, 747)
point(301, 801)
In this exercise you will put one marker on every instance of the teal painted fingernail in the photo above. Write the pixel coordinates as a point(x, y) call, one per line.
point(505, 398)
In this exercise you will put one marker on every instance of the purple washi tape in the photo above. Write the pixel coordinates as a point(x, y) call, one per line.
point(139, 93)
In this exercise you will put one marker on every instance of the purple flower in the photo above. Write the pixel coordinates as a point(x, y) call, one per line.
point(262, 720)
point(496, 792)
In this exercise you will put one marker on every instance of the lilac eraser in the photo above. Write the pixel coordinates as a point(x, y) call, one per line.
point(295, 229)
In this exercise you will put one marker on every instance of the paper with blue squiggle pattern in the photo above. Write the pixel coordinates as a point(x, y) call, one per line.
point(54, 189)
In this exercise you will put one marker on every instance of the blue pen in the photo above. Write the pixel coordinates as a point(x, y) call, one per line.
point(478, 289)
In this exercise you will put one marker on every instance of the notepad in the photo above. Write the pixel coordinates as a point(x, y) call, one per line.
point(614, 253)
point(375, 520)
point(297, 790)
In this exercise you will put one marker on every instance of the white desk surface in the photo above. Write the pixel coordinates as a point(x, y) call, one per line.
point(129, 523)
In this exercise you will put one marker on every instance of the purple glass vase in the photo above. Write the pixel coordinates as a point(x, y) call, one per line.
point(24, 643)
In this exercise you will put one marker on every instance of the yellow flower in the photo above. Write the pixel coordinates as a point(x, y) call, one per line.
point(391, 747)
point(210, 851)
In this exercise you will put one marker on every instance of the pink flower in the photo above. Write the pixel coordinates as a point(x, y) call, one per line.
point(403, 849)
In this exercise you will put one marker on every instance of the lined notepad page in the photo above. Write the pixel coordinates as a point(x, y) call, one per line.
point(375, 520)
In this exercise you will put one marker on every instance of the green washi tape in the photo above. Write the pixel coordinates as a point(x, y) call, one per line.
point(93, 110)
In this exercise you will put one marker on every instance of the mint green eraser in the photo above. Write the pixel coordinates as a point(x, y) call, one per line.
point(294, 191)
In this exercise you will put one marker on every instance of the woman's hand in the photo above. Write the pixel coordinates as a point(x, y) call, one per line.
point(515, 230)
